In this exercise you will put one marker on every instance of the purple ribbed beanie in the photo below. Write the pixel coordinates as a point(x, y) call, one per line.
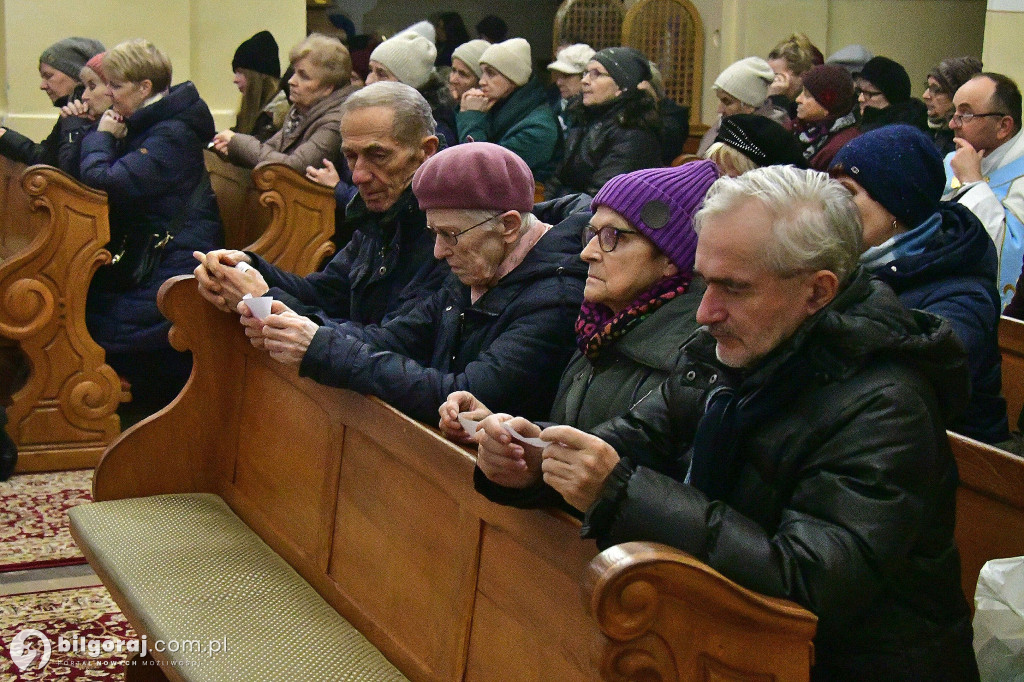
point(661, 203)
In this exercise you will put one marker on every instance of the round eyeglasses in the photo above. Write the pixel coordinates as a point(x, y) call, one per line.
point(453, 239)
point(607, 236)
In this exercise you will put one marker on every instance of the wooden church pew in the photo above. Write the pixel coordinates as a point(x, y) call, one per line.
point(64, 416)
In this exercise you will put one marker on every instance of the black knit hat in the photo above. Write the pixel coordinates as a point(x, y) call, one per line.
point(259, 54)
point(762, 140)
point(627, 66)
point(889, 77)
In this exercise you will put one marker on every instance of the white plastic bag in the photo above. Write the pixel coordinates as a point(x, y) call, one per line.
point(999, 620)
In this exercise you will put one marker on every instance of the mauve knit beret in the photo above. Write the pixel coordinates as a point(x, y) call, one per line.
point(832, 87)
point(475, 175)
point(660, 203)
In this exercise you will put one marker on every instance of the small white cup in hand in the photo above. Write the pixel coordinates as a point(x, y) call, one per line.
point(259, 306)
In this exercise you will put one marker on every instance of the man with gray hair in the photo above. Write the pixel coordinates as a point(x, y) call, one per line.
point(799, 447)
point(387, 133)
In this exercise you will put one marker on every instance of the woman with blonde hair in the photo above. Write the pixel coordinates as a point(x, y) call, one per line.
point(311, 132)
point(147, 155)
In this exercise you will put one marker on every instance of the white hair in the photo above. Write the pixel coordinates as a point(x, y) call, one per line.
point(815, 224)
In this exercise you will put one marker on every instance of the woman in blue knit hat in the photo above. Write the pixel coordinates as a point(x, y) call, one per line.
point(936, 255)
point(638, 309)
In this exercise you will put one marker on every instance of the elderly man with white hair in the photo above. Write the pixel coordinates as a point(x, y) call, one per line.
point(501, 325)
point(800, 445)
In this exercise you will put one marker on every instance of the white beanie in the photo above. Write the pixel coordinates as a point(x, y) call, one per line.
point(512, 58)
point(424, 28)
point(470, 54)
point(409, 56)
point(747, 80)
point(573, 59)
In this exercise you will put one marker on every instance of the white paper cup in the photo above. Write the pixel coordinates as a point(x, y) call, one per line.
point(259, 306)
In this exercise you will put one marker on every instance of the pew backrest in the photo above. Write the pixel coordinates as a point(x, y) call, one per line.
point(989, 507)
point(1011, 348)
point(243, 216)
point(17, 226)
point(298, 237)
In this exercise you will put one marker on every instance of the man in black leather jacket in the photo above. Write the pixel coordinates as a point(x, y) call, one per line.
point(799, 447)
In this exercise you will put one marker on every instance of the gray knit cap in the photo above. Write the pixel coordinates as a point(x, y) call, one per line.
point(70, 54)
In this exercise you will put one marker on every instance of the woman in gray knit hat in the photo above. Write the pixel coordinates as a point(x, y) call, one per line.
point(59, 66)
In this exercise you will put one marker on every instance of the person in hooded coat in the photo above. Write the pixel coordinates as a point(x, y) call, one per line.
point(936, 255)
point(147, 155)
point(883, 91)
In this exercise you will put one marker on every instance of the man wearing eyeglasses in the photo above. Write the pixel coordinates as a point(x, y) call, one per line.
point(984, 172)
point(387, 133)
point(502, 323)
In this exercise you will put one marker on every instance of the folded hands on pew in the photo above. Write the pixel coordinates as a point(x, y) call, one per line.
point(222, 283)
point(283, 333)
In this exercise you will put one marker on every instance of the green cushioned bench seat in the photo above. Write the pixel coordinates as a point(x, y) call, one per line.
point(190, 569)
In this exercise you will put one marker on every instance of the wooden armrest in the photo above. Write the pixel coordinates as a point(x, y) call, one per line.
point(668, 616)
point(298, 237)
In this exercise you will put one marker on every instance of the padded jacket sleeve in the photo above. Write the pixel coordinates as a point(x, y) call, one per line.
point(140, 173)
point(323, 142)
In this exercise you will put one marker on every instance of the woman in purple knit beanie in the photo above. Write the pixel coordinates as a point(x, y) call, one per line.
point(638, 310)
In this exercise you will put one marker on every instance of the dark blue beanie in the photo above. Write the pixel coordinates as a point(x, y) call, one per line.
point(899, 167)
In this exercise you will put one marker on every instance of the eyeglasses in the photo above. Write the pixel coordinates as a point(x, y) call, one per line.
point(934, 88)
point(607, 236)
point(868, 94)
point(594, 74)
point(453, 239)
point(966, 117)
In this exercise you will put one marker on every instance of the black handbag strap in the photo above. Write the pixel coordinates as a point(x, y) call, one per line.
point(174, 227)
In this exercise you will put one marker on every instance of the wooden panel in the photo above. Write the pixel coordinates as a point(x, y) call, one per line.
point(413, 538)
point(64, 416)
point(1011, 346)
point(671, 34)
point(298, 237)
point(17, 228)
point(597, 23)
point(243, 217)
point(544, 615)
point(989, 507)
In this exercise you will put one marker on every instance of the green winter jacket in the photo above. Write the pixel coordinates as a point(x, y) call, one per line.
point(523, 123)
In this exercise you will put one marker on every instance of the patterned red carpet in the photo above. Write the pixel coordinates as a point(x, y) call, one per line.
point(33, 519)
point(77, 622)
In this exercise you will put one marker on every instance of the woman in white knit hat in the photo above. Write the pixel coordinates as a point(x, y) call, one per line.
point(743, 89)
point(510, 108)
point(465, 73)
point(408, 57)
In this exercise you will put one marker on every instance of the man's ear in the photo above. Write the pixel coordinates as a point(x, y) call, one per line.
point(428, 146)
point(511, 221)
point(823, 287)
point(1006, 130)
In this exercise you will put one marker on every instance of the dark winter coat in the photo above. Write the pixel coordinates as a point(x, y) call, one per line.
point(388, 263)
point(955, 278)
point(844, 486)
point(590, 393)
point(523, 123)
point(675, 129)
point(609, 139)
point(149, 177)
point(17, 147)
point(442, 108)
point(508, 348)
point(912, 112)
